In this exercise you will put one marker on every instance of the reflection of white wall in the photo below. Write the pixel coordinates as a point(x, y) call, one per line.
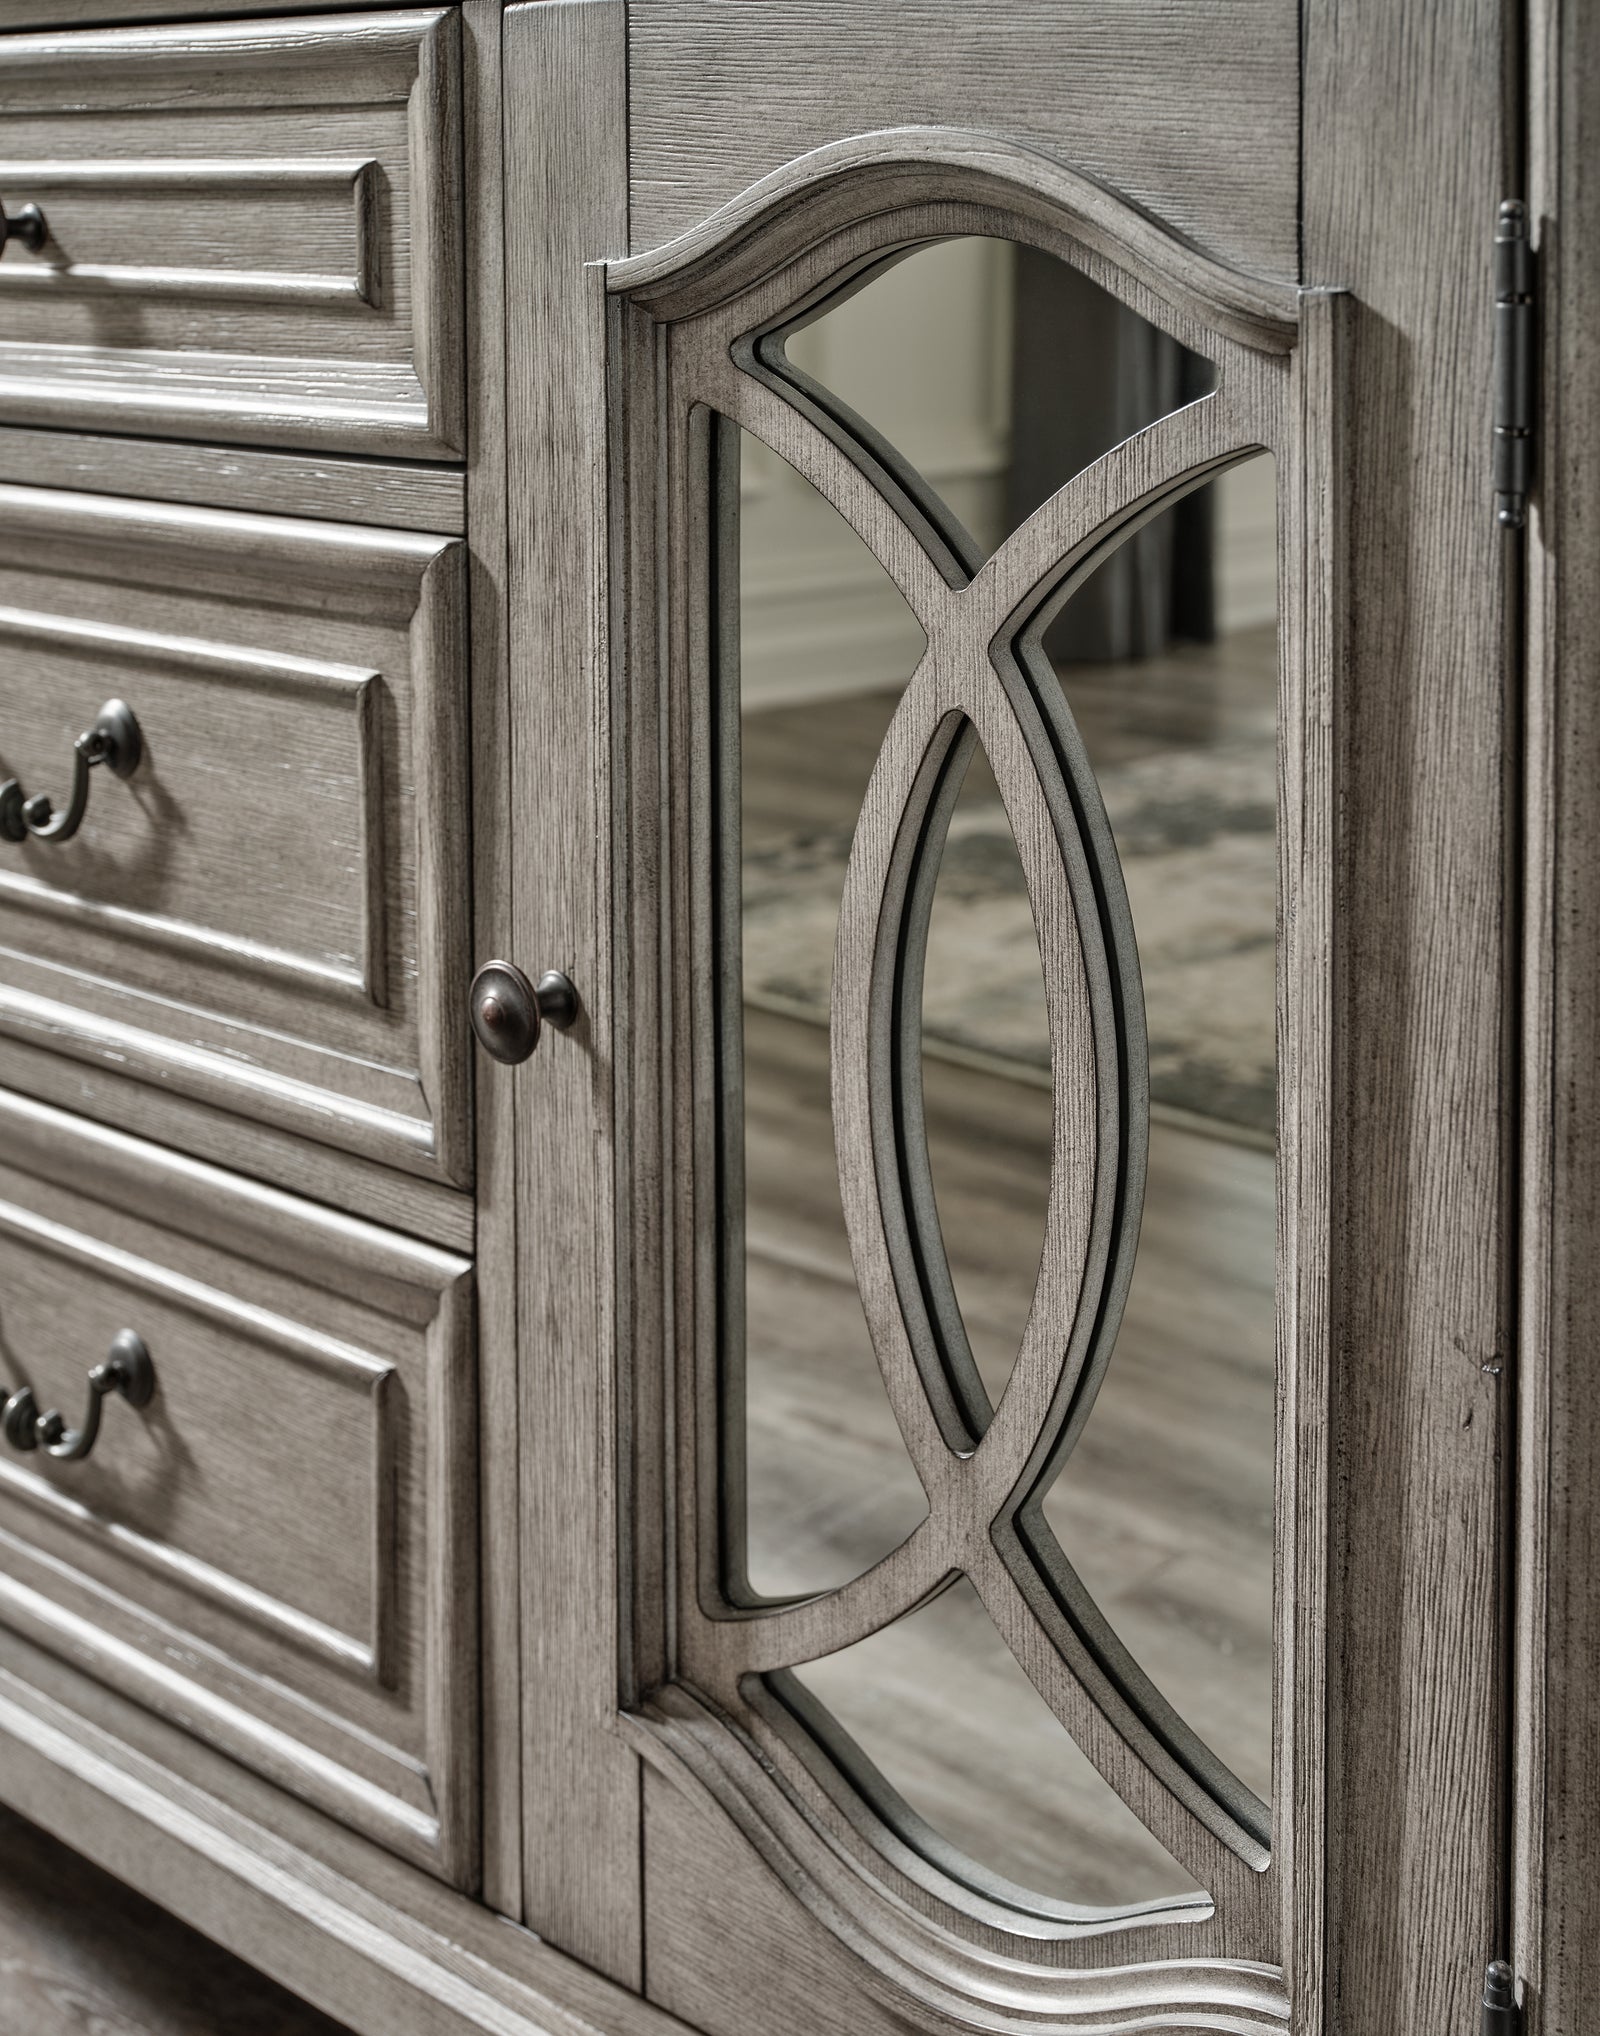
point(1247, 546)
point(924, 354)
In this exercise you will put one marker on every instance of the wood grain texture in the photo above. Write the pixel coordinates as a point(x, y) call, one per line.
point(21, 14)
point(494, 874)
point(1409, 100)
point(388, 494)
point(270, 915)
point(278, 1554)
point(730, 249)
point(1193, 116)
point(1555, 1942)
point(918, 1934)
point(565, 206)
point(364, 1939)
point(360, 1187)
point(254, 232)
point(78, 1949)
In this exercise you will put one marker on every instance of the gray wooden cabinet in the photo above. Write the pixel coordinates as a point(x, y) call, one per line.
point(424, 421)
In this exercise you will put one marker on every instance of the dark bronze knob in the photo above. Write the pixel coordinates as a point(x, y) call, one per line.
point(126, 1370)
point(509, 1013)
point(26, 225)
point(112, 739)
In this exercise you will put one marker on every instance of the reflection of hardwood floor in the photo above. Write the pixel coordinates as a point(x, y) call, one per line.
point(1166, 1507)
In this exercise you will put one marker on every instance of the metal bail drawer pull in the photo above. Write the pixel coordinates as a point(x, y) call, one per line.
point(112, 739)
point(25, 225)
point(127, 1370)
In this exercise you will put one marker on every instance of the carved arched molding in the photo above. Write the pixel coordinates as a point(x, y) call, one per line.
point(699, 333)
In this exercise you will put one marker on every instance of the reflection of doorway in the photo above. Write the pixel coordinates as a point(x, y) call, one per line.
point(998, 372)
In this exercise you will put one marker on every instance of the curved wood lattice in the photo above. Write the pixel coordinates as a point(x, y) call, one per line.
point(725, 1711)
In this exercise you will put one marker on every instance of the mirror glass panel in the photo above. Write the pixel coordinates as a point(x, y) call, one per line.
point(970, 1766)
point(995, 372)
point(1166, 658)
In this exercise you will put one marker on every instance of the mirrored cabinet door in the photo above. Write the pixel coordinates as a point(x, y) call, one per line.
point(987, 827)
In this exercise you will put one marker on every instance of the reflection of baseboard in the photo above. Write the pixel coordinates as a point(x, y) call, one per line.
point(825, 639)
point(1029, 1076)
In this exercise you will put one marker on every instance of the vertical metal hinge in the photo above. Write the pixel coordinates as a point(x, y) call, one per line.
point(1501, 2016)
point(1513, 365)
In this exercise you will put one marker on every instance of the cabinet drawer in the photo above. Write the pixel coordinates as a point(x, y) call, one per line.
point(268, 915)
point(253, 231)
point(277, 1551)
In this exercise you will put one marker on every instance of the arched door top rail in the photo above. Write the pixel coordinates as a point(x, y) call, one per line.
point(875, 176)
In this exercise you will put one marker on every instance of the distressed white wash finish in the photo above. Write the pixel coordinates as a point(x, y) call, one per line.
point(269, 915)
point(279, 1551)
point(902, 1931)
point(254, 231)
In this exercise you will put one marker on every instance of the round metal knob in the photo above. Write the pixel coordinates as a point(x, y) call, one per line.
point(509, 1013)
point(26, 225)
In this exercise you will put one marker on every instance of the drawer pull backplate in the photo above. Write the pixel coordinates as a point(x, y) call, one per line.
point(112, 739)
point(126, 1370)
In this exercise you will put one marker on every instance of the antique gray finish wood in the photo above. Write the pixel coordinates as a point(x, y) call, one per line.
point(1164, 150)
point(254, 232)
point(1555, 1791)
point(268, 915)
point(738, 278)
point(279, 1551)
point(1421, 1030)
point(1194, 122)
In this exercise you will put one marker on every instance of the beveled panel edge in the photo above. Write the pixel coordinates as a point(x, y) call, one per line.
point(22, 17)
point(346, 1365)
point(325, 49)
point(685, 1740)
point(388, 1950)
point(245, 1152)
point(737, 242)
point(195, 657)
point(141, 1670)
point(204, 1579)
point(386, 494)
point(333, 1250)
point(349, 176)
point(369, 567)
point(412, 57)
point(406, 1281)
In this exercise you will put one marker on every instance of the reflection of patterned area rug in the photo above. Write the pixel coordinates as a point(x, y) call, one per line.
point(1195, 830)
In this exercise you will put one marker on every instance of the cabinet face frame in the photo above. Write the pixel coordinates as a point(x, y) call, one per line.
point(681, 347)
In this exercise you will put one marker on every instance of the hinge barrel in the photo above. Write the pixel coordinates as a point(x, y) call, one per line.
point(1513, 365)
point(1500, 2015)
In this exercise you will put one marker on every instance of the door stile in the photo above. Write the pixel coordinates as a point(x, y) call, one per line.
point(1408, 100)
point(566, 212)
point(1313, 556)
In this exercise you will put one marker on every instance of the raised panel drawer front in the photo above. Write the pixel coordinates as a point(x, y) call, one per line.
point(253, 231)
point(268, 914)
point(277, 1551)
